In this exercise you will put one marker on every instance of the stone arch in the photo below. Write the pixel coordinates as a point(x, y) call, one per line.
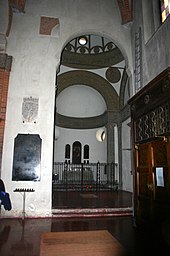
point(93, 80)
point(125, 8)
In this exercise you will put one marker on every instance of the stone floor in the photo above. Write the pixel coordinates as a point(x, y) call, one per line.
point(91, 199)
point(20, 237)
point(92, 204)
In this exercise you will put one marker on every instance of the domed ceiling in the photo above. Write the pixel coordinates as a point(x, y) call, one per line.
point(93, 61)
point(96, 52)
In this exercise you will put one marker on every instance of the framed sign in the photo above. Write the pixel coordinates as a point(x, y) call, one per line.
point(159, 177)
point(27, 158)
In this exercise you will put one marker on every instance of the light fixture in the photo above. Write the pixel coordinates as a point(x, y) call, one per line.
point(82, 40)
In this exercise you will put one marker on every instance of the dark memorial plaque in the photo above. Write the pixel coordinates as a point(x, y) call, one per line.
point(27, 158)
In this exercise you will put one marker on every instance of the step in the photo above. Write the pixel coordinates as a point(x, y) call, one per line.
point(89, 212)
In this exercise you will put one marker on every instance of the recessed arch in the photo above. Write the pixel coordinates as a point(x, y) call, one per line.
point(93, 80)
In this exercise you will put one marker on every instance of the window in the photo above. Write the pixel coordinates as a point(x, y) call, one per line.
point(67, 151)
point(76, 155)
point(165, 9)
point(86, 152)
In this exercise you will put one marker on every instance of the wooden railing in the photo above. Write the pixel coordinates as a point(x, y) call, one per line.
point(85, 177)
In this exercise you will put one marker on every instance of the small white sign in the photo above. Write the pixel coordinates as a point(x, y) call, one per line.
point(159, 177)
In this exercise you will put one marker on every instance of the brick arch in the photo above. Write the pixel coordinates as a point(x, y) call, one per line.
point(125, 7)
point(18, 5)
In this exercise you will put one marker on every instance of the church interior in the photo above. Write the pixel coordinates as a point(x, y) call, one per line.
point(84, 127)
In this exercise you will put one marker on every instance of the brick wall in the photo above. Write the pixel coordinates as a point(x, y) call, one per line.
point(126, 10)
point(5, 67)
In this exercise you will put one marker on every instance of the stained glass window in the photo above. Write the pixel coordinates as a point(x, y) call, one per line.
point(165, 9)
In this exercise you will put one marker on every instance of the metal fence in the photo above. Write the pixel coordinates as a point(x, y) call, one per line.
point(85, 177)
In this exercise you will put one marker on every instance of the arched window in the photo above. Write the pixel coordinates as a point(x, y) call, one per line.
point(86, 152)
point(67, 151)
point(76, 155)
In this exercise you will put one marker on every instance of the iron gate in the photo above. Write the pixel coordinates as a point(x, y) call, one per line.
point(85, 177)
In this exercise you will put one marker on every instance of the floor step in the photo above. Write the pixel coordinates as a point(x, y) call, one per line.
point(89, 212)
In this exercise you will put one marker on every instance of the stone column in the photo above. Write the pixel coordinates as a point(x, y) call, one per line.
point(120, 154)
point(110, 143)
point(112, 120)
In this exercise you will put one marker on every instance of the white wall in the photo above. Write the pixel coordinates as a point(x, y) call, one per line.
point(35, 60)
point(80, 101)
point(97, 150)
point(127, 177)
point(155, 39)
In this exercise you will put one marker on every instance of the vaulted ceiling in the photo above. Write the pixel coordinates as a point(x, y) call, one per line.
point(125, 7)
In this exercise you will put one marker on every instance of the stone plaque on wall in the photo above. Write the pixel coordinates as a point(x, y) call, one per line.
point(27, 158)
point(30, 110)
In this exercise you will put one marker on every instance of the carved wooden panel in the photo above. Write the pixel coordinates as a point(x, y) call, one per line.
point(143, 169)
point(160, 153)
point(154, 123)
point(143, 155)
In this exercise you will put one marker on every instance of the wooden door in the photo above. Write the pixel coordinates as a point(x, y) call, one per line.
point(144, 182)
point(161, 179)
point(152, 180)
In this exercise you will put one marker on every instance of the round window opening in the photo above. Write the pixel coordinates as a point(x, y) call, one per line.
point(101, 134)
point(82, 40)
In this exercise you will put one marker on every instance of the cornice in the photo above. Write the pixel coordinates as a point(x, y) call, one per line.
point(81, 123)
point(92, 61)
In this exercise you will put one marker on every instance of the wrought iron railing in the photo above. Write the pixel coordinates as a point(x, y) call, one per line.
point(85, 177)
